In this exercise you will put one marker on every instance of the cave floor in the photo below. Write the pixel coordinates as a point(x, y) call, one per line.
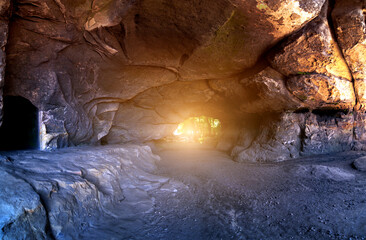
point(320, 197)
point(193, 193)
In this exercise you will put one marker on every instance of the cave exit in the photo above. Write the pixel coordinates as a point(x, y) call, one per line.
point(201, 130)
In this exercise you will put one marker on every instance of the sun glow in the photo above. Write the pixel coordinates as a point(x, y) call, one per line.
point(198, 129)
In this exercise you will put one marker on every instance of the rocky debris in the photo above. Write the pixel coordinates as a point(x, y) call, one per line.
point(82, 188)
point(360, 164)
point(22, 215)
point(5, 13)
point(349, 25)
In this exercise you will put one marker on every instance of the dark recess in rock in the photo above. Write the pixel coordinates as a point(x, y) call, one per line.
point(19, 130)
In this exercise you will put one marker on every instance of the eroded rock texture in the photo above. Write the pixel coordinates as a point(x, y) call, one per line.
point(83, 63)
point(5, 12)
point(85, 192)
point(349, 23)
point(22, 215)
point(317, 73)
point(112, 71)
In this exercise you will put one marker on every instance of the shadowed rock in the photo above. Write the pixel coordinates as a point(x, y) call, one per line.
point(360, 164)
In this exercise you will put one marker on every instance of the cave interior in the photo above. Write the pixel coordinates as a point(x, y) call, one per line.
point(194, 119)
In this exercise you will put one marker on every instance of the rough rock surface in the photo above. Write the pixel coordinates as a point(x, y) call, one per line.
point(80, 62)
point(111, 71)
point(276, 140)
point(318, 74)
point(319, 91)
point(110, 193)
point(290, 135)
point(5, 13)
point(350, 29)
point(22, 215)
point(360, 164)
point(325, 133)
point(81, 189)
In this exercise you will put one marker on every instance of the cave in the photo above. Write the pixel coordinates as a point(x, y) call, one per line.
point(194, 119)
point(19, 129)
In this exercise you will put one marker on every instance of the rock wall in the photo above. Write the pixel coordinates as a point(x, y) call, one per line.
point(82, 63)
point(111, 71)
point(5, 13)
point(290, 135)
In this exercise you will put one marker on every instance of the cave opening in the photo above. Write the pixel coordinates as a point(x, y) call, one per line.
point(202, 129)
point(19, 129)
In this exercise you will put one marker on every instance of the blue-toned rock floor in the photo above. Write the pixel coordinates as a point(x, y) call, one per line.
point(130, 192)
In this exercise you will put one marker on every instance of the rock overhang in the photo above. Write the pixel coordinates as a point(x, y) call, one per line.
point(120, 71)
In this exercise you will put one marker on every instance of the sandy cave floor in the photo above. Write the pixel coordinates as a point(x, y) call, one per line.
point(203, 194)
point(320, 197)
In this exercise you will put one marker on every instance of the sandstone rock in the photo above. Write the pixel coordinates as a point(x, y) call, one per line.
point(319, 76)
point(312, 50)
point(22, 216)
point(278, 139)
point(110, 70)
point(263, 92)
point(205, 40)
point(269, 93)
point(157, 112)
point(239, 42)
point(350, 28)
point(360, 164)
point(327, 132)
point(319, 91)
point(360, 127)
point(293, 134)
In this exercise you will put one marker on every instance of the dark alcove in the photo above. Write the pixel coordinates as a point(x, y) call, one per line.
point(19, 130)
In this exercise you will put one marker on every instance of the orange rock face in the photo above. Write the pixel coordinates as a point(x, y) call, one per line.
point(349, 22)
point(319, 91)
